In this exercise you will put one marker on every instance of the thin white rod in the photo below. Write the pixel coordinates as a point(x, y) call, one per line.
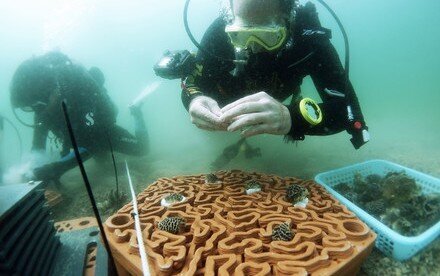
point(137, 224)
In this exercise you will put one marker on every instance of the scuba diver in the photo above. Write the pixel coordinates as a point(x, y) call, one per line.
point(41, 83)
point(231, 151)
point(255, 57)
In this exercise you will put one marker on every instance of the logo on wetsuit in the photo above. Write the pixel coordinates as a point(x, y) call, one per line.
point(90, 121)
point(313, 32)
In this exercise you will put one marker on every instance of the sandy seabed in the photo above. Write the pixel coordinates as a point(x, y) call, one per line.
point(146, 170)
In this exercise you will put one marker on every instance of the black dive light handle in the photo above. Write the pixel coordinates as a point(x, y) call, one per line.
point(358, 130)
point(358, 138)
point(175, 65)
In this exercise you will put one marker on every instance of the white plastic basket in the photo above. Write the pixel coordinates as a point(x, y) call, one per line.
point(388, 241)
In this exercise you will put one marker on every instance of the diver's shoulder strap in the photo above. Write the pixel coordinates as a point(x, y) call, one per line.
point(307, 24)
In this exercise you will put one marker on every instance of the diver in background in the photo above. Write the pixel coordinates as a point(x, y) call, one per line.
point(41, 83)
point(231, 151)
point(270, 46)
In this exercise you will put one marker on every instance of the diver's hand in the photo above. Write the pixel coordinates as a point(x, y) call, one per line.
point(256, 114)
point(205, 113)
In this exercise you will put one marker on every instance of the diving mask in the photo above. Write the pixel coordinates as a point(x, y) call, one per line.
point(270, 38)
point(36, 107)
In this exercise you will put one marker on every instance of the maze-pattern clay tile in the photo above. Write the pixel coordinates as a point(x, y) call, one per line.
point(228, 232)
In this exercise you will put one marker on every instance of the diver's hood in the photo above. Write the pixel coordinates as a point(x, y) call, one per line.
point(247, 13)
point(36, 78)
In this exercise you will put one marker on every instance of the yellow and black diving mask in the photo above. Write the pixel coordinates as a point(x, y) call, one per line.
point(269, 38)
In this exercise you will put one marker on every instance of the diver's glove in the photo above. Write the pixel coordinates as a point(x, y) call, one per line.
point(48, 172)
point(256, 114)
point(205, 113)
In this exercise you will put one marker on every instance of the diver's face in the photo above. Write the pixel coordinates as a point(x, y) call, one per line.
point(45, 109)
point(257, 13)
point(54, 105)
point(257, 25)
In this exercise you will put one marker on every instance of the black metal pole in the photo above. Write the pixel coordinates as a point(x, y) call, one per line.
point(114, 167)
point(89, 188)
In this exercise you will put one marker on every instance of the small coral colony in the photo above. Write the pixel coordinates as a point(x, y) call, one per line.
point(395, 199)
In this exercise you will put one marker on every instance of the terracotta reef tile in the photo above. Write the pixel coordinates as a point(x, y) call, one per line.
point(224, 231)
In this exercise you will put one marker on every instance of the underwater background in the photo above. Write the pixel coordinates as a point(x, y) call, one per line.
point(394, 67)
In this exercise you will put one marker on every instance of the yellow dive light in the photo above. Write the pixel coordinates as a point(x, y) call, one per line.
point(270, 38)
point(310, 111)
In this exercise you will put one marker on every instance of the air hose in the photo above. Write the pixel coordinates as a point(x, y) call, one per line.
point(20, 141)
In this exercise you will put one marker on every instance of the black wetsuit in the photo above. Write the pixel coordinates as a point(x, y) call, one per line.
point(308, 51)
point(93, 118)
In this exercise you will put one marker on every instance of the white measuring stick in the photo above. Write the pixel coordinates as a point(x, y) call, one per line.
point(137, 224)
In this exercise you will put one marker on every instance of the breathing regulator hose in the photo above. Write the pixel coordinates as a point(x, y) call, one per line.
point(20, 141)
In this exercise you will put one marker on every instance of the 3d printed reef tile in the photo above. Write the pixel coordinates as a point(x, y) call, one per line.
point(227, 232)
